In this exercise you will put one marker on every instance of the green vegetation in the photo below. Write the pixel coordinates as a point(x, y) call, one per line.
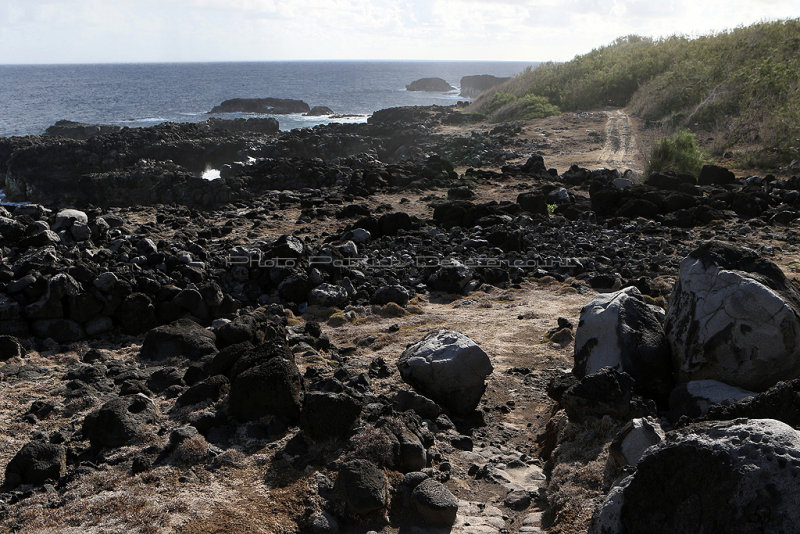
point(677, 152)
point(509, 107)
point(742, 86)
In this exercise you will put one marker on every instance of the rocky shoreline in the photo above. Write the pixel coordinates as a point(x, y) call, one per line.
point(157, 326)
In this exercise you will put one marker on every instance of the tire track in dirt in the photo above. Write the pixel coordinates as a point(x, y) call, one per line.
point(620, 149)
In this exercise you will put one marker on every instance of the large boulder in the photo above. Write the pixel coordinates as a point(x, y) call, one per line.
point(328, 415)
point(435, 504)
point(34, 463)
point(715, 175)
point(733, 477)
point(273, 387)
point(448, 367)
point(182, 338)
point(622, 331)
point(733, 317)
point(119, 421)
point(781, 402)
point(607, 392)
point(361, 488)
point(694, 398)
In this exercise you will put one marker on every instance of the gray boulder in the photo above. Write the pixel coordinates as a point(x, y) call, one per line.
point(328, 295)
point(36, 462)
point(451, 278)
point(182, 338)
point(274, 387)
point(10, 347)
point(396, 293)
point(435, 504)
point(327, 415)
point(119, 421)
point(635, 438)
point(734, 477)
point(696, 397)
point(620, 330)
point(733, 317)
point(361, 488)
point(448, 367)
point(68, 217)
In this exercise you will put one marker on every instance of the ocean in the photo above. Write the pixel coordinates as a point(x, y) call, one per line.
point(33, 97)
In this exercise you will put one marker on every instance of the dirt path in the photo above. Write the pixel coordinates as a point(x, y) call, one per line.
point(619, 150)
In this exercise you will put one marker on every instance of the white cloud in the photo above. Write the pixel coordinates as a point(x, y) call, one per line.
point(163, 30)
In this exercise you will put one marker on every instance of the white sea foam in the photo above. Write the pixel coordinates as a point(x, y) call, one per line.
point(147, 119)
point(4, 203)
point(211, 174)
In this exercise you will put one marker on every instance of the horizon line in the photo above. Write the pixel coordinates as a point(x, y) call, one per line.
point(167, 62)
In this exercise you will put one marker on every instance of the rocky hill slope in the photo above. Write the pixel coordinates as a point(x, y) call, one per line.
point(415, 324)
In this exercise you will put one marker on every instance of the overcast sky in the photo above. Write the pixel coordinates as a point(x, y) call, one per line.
point(89, 31)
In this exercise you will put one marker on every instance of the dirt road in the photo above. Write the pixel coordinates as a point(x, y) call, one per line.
point(620, 150)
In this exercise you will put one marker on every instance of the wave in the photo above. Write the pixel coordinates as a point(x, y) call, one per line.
point(146, 119)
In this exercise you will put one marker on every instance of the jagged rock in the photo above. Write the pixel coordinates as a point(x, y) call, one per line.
point(328, 295)
point(422, 405)
point(606, 392)
point(182, 338)
point(450, 278)
point(61, 330)
point(715, 175)
point(119, 421)
point(318, 111)
point(10, 347)
point(433, 85)
point(328, 416)
point(361, 488)
point(271, 388)
point(732, 477)
point(136, 313)
point(635, 437)
point(79, 130)
point(397, 294)
point(271, 106)
point(620, 330)
point(209, 390)
point(694, 398)
point(449, 368)
point(532, 202)
point(36, 462)
point(733, 317)
point(781, 402)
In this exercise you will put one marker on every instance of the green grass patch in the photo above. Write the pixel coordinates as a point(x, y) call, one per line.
point(677, 152)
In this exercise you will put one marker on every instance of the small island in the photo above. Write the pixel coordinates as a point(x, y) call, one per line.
point(473, 86)
point(430, 85)
point(272, 106)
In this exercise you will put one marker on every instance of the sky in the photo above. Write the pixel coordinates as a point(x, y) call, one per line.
point(111, 31)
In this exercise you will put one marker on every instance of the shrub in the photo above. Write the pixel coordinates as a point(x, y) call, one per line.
point(528, 106)
point(677, 152)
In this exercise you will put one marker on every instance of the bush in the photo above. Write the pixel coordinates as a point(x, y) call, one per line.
point(498, 101)
point(677, 152)
point(527, 107)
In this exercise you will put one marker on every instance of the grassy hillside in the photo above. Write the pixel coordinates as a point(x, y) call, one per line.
point(742, 85)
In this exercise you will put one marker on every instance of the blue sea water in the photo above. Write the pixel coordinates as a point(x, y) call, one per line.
point(33, 97)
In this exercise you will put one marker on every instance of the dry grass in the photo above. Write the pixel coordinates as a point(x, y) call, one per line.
point(581, 475)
